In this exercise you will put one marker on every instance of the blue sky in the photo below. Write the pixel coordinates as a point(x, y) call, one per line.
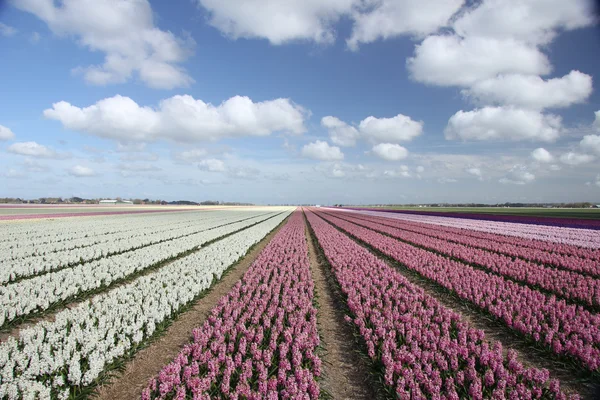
point(333, 101)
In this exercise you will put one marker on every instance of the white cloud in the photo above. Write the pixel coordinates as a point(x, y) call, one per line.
point(137, 167)
point(597, 120)
point(34, 149)
point(518, 175)
point(377, 130)
point(573, 158)
point(139, 156)
point(531, 21)
point(81, 171)
point(449, 60)
point(212, 165)
point(542, 155)
point(390, 152)
point(6, 30)
point(6, 133)
point(596, 182)
point(13, 173)
point(191, 155)
point(337, 171)
point(340, 132)
point(591, 144)
point(125, 32)
point(447, 180)
point(397, 129)
point(503, 123)
point(390, 18)
point(244, 173)
point(531, 91)
point(180, 118)
point(420, 169)
point(402, 172)
point(475, 172)
point(277, 21)
point(321, 150)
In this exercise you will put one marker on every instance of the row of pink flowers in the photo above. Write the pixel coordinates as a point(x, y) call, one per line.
point(565, 329)
point(574, 259)
point(568, 284)
point(260, 341)
point(425, 349)
point(587, 238)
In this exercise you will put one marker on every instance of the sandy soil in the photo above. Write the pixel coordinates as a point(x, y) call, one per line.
point(345, 372)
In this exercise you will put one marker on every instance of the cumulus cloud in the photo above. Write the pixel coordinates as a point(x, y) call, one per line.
point(34, 149)
point(531, 91)
point(277, 21)
point(518, 175)
point(81, 171)
point(321, 150)
point(390, 18)
point(397, 129)
point(6, 30)
point(376, 130)
point(180, 118)
point(212, 165)
point(503, 123)
point(449, 60)
point(591, 144)
point(125, 32)
point(390, 151)
point(542, 155)
point(6, 133)
point(340, 132)
point(597, 120)
point(574, 158)
point(532, 21)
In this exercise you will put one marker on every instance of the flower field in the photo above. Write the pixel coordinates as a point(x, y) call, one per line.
point(83, 298)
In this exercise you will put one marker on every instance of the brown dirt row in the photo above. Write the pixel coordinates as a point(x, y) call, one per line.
point(149, 361)
point(494, 331)
point(344, 371)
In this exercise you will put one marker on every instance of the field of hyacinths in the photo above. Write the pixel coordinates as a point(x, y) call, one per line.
point(82, 296)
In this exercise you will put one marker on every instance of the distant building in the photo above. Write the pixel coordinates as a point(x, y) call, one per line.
point(112, 201)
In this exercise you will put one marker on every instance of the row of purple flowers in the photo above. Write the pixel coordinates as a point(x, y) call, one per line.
point(568, 284)
point(566, 329)
point(261, 340)
point(523, 219)
point(424, 349)
point(560, 255)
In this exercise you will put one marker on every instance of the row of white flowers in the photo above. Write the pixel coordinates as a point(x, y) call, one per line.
point(21, 248)
point(52, 358)
point(40, 292)
point(65, 229)
point(29, 266)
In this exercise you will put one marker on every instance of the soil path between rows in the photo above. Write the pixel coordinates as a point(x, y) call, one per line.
point(148, 362)
point(345, 375)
